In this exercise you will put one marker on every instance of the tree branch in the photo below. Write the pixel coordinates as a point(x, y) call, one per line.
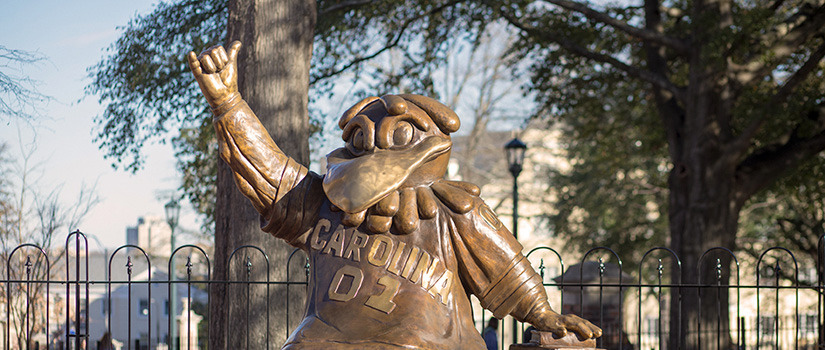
point(19, 96)
point(645, 75)
point(678, 45)
point(757, 67)
point(671, 114)
point(346, 5)
point(742, 141)
point(767, 164)
point(800, 75)
point(393, 43)
point(356, 61)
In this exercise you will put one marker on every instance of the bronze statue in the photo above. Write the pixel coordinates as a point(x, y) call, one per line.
point(395, 249)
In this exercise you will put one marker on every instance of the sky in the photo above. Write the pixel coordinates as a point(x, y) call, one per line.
point(72, 36)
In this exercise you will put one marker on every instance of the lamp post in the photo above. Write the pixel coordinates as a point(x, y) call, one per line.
point(172, 209)
point(515, 160)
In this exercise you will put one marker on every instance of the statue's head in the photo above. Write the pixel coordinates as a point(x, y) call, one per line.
point(392, 141)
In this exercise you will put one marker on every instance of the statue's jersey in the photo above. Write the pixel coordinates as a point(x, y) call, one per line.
point(379, 291)
point(384, 290)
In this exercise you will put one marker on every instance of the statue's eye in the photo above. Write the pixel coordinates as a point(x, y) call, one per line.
point(403, 134)
point(356, 141)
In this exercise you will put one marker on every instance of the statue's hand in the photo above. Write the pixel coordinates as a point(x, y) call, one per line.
point(561, 324)
point(216, 72)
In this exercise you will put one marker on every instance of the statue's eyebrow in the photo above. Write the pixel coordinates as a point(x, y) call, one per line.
point(367, 127)
point(420, 122)
point(354, 110)
point(397, 106)
point(445, 118)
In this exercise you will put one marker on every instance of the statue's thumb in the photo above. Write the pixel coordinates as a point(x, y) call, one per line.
point(233, 50)
point(194, 65)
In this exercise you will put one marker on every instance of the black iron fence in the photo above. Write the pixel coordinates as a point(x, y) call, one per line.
point(73, 299)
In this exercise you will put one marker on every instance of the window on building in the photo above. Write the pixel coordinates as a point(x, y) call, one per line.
point(807, 323)
point(143, 307)
point(652, 326)
point(144, 341)
point(767, 325)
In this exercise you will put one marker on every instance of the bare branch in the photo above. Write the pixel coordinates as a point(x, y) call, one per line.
point(647, 35)
point(19, 97)
point(460, 76)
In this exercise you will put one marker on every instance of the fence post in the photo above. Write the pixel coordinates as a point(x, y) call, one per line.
point(743, 340)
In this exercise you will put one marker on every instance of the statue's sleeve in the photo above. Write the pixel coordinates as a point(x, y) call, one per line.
point(493, 267)
point(285, 193)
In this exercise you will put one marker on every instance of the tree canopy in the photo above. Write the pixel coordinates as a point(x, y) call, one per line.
point(733, 90)
point(729, 89)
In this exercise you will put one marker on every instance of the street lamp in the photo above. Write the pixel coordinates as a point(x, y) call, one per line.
point(172, 210)
point(515, 159)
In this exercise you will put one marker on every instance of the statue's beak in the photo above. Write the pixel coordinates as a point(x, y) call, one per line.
point(355, 184)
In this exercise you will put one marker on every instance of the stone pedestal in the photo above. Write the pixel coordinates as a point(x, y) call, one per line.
point(547, 341)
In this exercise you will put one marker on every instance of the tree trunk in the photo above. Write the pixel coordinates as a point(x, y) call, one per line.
point(698, 223)
point(273, 72)
point(703, 214)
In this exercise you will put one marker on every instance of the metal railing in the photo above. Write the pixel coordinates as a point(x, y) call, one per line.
point(52, 302)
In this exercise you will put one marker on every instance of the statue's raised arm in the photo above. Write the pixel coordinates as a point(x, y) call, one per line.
point(274, 183)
